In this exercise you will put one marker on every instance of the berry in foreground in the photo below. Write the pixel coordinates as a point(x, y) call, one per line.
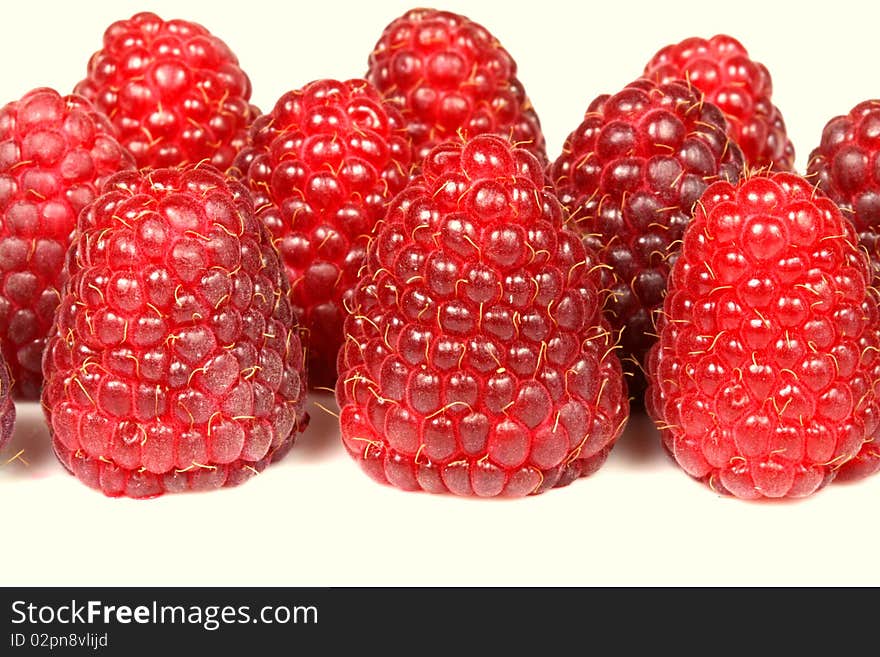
point(55, 153)
point(322, 168)
point(630, 175)
point(846, 166)
point(451, 77)
point(7, 408)
point(173, 90)
point(477, 361)
point(175, 363)
point(764, 380)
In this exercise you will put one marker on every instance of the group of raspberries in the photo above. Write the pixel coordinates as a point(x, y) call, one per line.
point(177, 269)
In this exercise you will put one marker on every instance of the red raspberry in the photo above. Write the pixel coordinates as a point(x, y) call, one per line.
point(55, 153)
point(7, 408)
point(449, 75)
point(630, 175)
point(846, 167)
point(174, 91)
point(175, 363)
point(477, 361)
point(323, 166)
point(765, 377)
point(720, 67)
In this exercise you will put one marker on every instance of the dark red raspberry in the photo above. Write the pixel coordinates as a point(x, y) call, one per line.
point(721, 68)
point(7, 408)
point(846, 167)
point(449, 75)
point(54, 155)
point(476, 360)
point(174, 91)
point(322, 167)
point(630, 175)
point(175, 363)
point(765, 379)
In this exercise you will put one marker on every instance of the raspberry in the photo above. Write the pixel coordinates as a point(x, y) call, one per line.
point(174, 91)
point(720, 68)
point(764, 380)
point(54, 155)
point(323, 167)
point(630, 175)
point(477, 362)
point(846, 167)
point(7, 408)
point(448, 75)
point(175, 362)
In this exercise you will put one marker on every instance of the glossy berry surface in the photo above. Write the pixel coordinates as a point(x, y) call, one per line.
point(846, 166)
point(449, 75)
point(630, 175)
point(476, 360)
point(55, 152)
point(173, 90)
point(7, 408)
point(721, 69)
point(175, 363)
point(764, 381)
point(322, 168)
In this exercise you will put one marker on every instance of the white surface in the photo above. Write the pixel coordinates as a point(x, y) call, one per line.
point(315, 519)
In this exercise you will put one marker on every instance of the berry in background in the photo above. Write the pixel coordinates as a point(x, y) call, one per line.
point(174, 91)
point(630, 175)
point(846, 167)
point(722, 70)
point(323, 167)
point(451, 78)
point(55, 153)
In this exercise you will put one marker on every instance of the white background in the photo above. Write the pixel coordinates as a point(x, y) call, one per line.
point(315, 518)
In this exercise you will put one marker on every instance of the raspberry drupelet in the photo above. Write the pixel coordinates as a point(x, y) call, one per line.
point(721, 69)
point(323, 167)
point(55, 153)
point(764, 382)
point(451, 77)
point(175, 92)
point(630, 175)
point(175, 361)
point(477, 361)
